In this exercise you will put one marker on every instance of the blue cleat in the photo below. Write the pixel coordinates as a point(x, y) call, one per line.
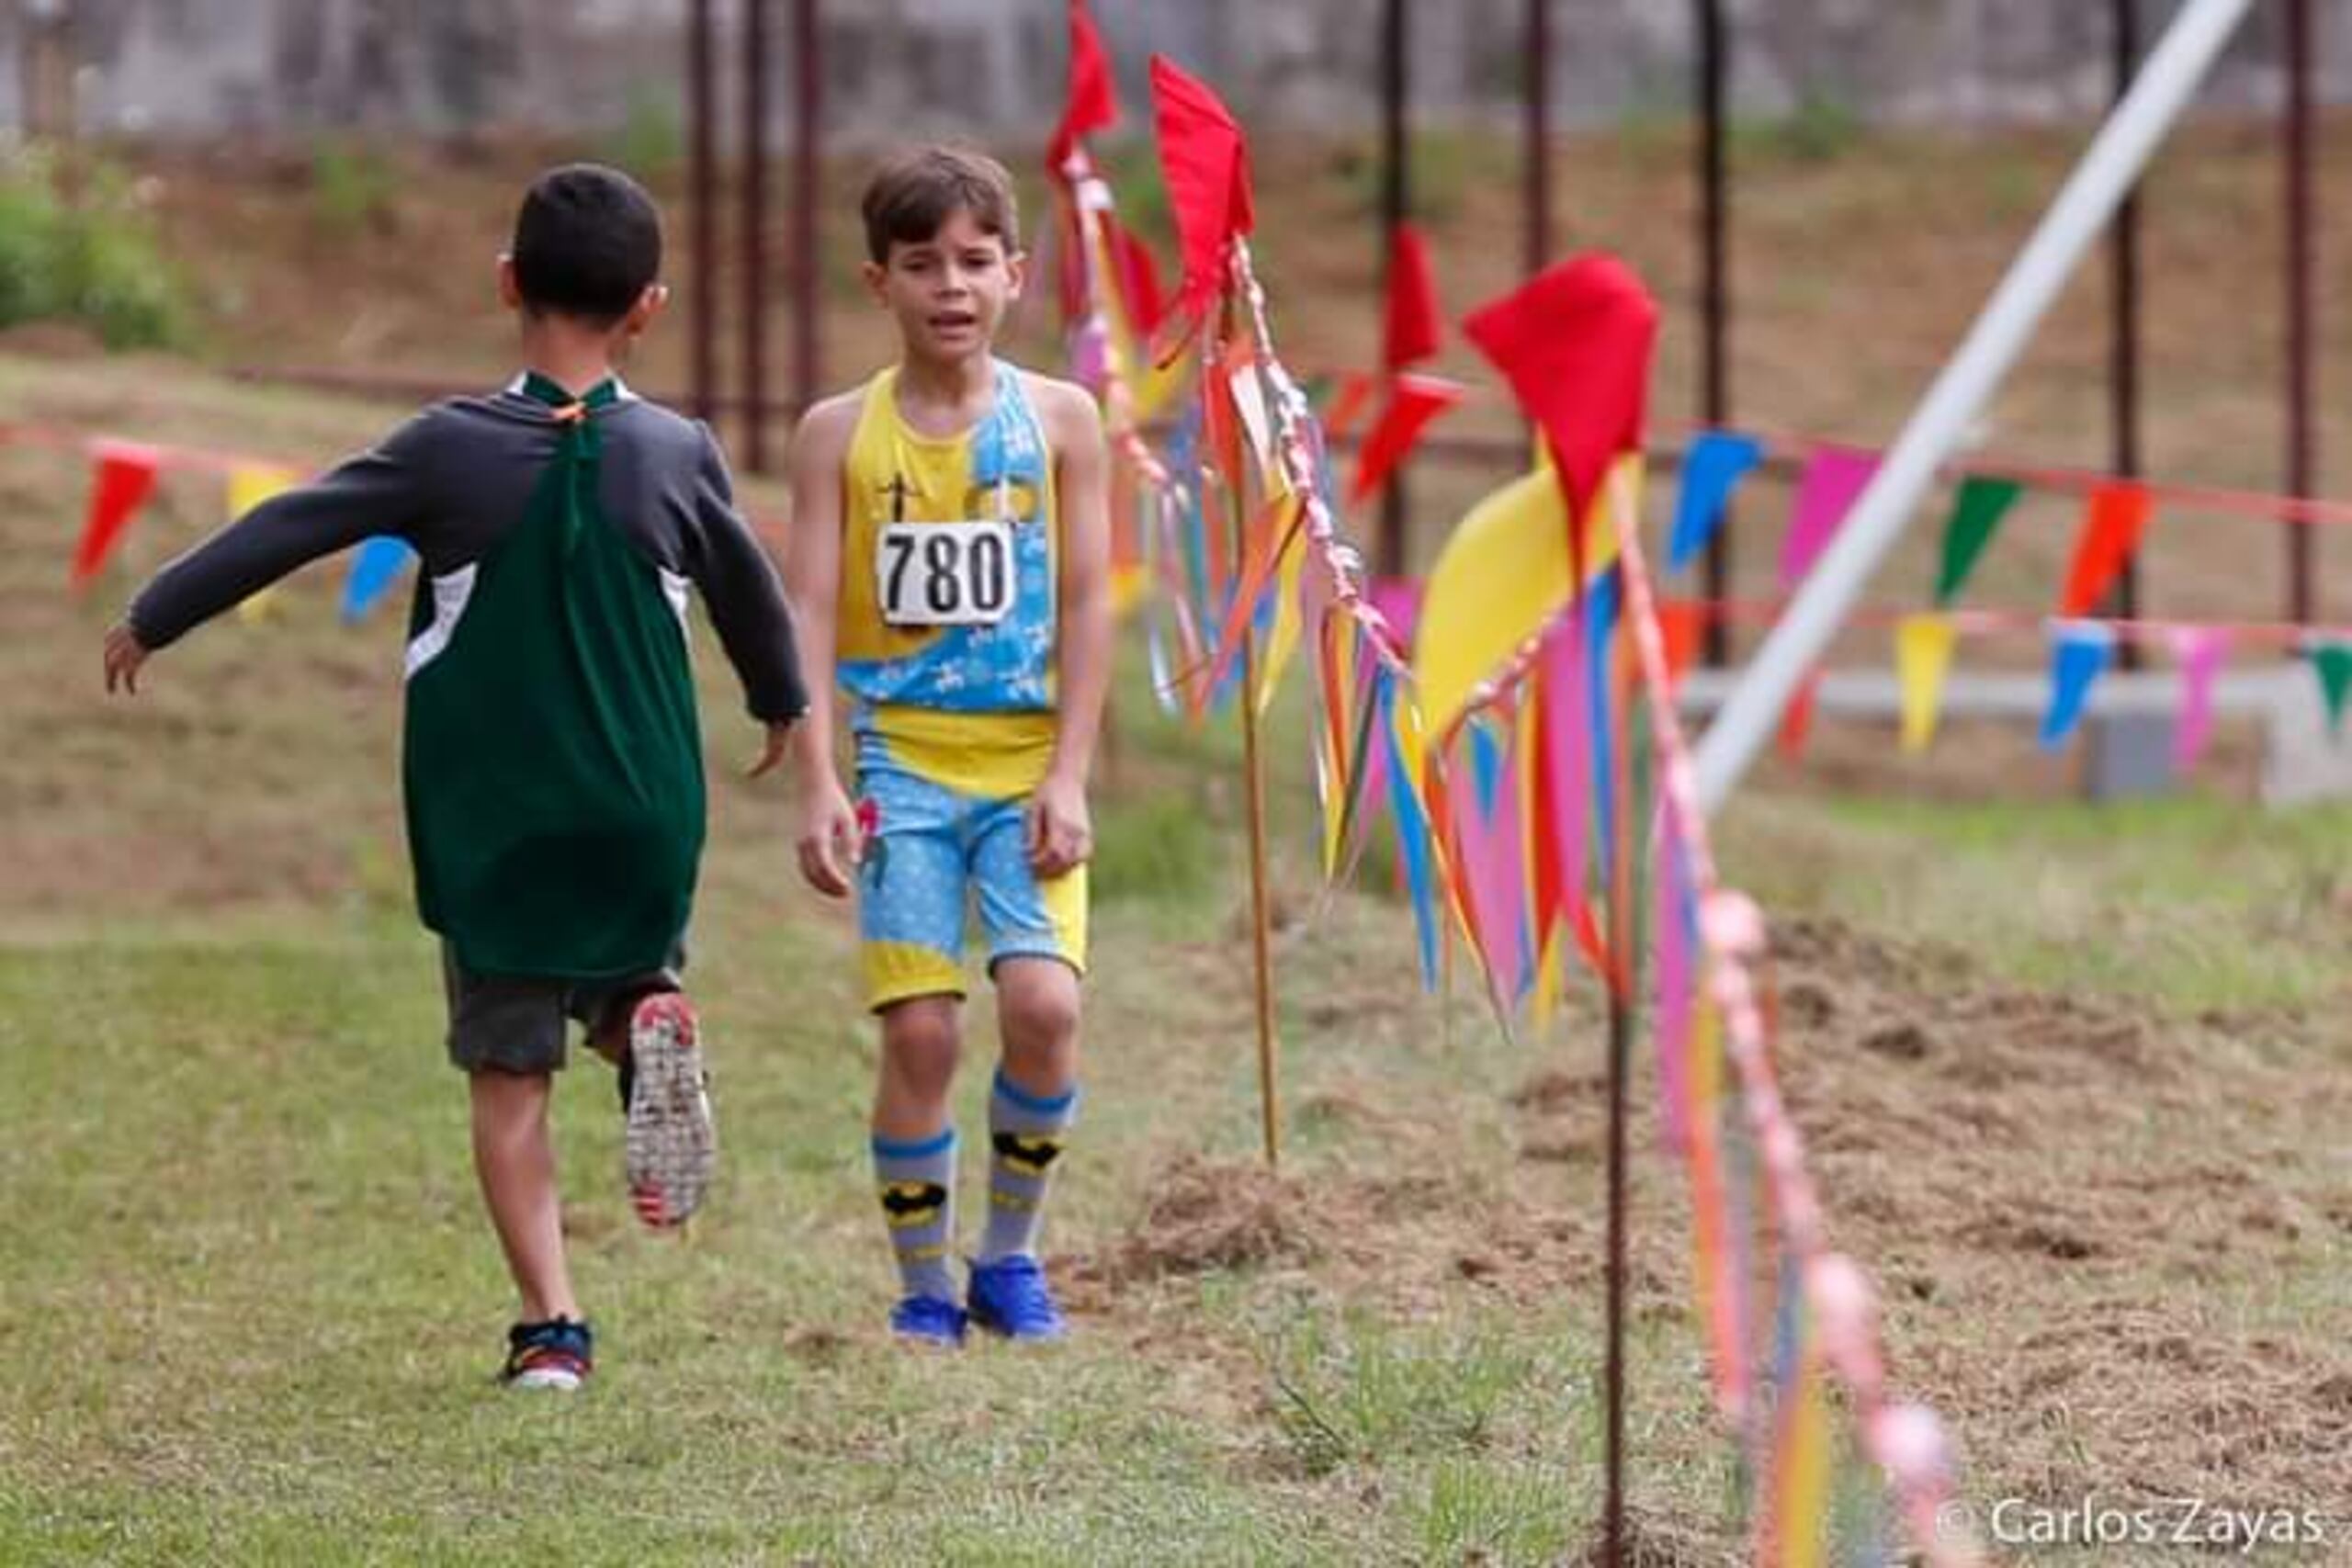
point(1011, 1297)
point(927, 1320)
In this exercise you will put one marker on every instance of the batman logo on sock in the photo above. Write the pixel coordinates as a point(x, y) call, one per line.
point(1031, 1157)
point(909, 1204)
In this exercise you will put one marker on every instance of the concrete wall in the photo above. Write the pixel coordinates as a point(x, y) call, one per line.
point(994, 67)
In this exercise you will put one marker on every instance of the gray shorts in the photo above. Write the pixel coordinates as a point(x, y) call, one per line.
point(506, 1023)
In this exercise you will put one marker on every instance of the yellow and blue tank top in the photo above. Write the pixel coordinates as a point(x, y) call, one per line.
point(946, 631)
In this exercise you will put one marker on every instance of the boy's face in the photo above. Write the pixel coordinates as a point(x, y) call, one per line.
point(948, 292)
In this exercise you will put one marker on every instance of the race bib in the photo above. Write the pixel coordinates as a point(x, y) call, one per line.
point(944, 574)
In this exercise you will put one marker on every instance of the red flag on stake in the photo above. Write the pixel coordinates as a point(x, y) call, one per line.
point(1574, 342)
point(119, 484)
point(1413, 329)
point(1204, 162)
point(1415, 402)
point(2112, 523)
point(1348, 404)
point(1094, 102)
point(1139, 278)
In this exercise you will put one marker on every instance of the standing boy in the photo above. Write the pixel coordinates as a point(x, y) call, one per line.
point(552, 758)
point(950, 562)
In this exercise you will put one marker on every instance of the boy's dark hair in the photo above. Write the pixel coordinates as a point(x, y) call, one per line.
point(587, 243)
point(909, 196)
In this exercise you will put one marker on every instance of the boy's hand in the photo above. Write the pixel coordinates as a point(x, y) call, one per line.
point(125, 654)
point(1061, 834)
point(830, 839)
point(779, 743)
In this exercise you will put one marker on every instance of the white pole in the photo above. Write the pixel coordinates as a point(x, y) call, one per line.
point(2074, 221)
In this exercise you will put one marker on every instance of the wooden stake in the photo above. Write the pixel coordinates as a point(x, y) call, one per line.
point(1625, 965)
point(1260, 923)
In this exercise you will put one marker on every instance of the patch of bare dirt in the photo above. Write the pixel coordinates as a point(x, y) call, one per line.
point(1203, 1215)
point(2066, 1202)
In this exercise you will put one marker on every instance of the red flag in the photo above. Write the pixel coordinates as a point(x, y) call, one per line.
point(1412, 404)
point(1413, 315)
point(1093, 103)
point(1138, 277)
point(124, 478)
point(2112, 523)
point(1205, 163)
point(1575, 342)
point(1348, 404)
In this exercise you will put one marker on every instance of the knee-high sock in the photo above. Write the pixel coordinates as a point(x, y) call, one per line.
point(1025, 1136)
point(917, 1180)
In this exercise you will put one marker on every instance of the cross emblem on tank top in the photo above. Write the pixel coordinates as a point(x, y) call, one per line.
point(897, 490)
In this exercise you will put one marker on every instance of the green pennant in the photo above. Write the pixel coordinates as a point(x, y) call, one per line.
point(1975, 513)
point(2334, 662)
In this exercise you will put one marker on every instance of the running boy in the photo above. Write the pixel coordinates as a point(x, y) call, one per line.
point(950, 566)
point(552, 759)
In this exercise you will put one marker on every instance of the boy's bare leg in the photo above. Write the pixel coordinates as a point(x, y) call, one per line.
point(516, 1160)
point(1034, 1099)
point(921, 1040)
point(1037, 1015)
point(914, 1148)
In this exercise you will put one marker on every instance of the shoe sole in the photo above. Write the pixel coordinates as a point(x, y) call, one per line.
point(671, 1146)
point(555, 1379)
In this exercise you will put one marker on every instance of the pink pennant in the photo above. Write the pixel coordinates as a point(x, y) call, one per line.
point(1833, 480)
point(2200, 651)
point(1492, 867)
point(1567, 735)
point(1398, 600)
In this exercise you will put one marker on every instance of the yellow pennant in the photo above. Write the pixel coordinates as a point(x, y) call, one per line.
point(1149, 387)
point(1923, 648)
point(1504, 573)
point(1281, 639)
point(250, 484)
point(1335, 730)
point(1803, 1466)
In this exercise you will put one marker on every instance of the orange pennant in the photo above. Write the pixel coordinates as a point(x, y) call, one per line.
point(1796, 723)
point(1681, 623)
point(2112, 523)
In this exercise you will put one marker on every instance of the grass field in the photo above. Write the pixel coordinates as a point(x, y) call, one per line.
point(2076, 1082)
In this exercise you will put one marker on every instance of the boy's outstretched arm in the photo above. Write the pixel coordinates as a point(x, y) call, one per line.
point(828, 842)
point(738, 584)
point(380, 492)
point(1061, 831)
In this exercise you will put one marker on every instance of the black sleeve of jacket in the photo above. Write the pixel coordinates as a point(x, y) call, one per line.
point(379, 491)
point(739, 583)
